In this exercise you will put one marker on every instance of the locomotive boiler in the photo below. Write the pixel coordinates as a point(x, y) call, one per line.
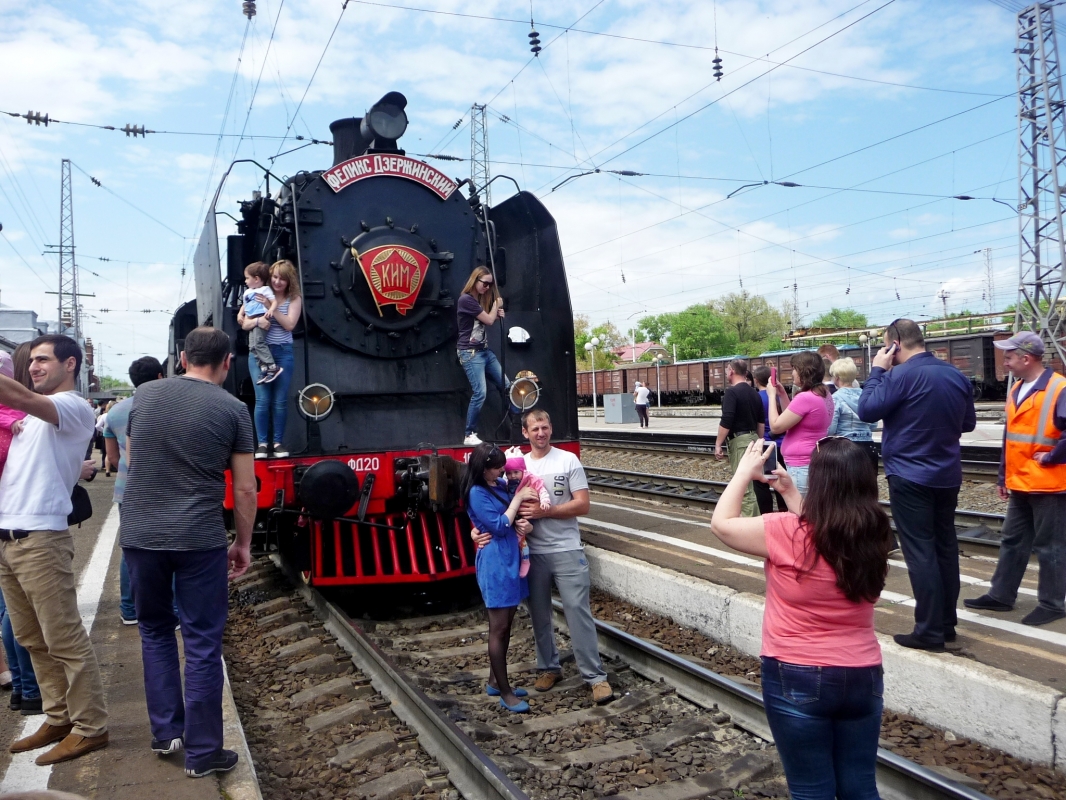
point(383, 244)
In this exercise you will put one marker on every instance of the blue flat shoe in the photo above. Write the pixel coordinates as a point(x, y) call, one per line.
point(521, 707)
point(492, 691)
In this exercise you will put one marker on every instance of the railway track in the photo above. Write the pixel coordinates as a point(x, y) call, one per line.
point(675, 730)
point(973, 527)
point(979, 462)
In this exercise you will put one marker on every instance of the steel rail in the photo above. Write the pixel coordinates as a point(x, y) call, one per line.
point(898, 778)
point(470, 769)
point(978, 527)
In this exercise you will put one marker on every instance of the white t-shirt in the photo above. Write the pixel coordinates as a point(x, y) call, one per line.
point(1025, 388)
point(563, 475)
point(642, 396)
point(43, 466)
point(252, 307)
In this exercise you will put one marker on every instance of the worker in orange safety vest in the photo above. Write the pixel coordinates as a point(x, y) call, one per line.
point(1032, 477)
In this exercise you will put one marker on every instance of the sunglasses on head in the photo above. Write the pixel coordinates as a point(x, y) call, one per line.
point(818, 444)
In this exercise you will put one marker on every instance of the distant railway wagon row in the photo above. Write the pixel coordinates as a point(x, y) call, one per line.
point(701, 382)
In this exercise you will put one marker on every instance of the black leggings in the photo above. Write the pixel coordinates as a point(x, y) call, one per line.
point(500, 620)
point(642, 412)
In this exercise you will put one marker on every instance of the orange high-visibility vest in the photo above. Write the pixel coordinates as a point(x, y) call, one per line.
point(1031, 430)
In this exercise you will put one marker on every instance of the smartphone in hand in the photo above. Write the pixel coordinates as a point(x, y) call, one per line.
point(773, 375)
point(770, 465)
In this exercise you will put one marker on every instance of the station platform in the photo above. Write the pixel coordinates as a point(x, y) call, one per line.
point(987, 432)
point(126, 769)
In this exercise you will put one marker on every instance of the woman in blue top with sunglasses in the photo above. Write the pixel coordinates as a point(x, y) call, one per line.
point(492, 510)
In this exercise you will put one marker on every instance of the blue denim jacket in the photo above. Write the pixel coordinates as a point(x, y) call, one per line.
point(846, 420)
point(926, 405)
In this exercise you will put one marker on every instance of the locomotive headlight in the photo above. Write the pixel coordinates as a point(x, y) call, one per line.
point(386, 119)
point(525, 391)
point(315, 401)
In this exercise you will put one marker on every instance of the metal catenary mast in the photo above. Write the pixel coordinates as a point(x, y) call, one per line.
point(479, 153)
point(69, 314)
point(1041, 156)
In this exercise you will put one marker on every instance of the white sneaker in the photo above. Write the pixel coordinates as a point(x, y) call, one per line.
point(472, 440)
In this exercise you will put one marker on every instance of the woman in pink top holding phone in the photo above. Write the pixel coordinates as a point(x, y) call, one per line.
point(805, 419)
point(826, 563)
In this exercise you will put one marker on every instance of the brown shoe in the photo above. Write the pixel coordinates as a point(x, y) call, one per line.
point(74, 746)
point(547, 680)
point(601, 692)
point(45, 735)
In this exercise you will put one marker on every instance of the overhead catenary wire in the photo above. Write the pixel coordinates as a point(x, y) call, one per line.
point(122, 199)
point(22, 258)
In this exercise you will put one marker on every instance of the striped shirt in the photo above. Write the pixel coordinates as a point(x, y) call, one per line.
point(275, 333)
point(181, 435)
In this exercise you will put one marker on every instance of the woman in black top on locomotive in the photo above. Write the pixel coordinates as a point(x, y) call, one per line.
point(479, 305)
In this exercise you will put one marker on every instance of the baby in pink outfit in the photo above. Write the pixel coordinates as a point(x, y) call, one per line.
point(8, 416)
point(518, 479)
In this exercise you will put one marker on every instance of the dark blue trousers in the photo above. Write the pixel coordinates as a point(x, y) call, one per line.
point(199, 579)
point(925, 522)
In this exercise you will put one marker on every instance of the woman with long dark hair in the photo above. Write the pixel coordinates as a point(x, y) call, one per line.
point(826, 563)
point(479, 305)
point(805, 419)
point(492, 510)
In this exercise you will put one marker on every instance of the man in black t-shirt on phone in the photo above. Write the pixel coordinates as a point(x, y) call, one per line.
point(741, 424)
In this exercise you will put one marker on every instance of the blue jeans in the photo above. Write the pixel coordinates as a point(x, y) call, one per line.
point(199, 577)
point(799, 478)
point(825, 721)
point(272, 399)
point(479, 365)
point(23, 679)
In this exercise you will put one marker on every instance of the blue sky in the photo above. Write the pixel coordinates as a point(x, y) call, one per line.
point(935, 79)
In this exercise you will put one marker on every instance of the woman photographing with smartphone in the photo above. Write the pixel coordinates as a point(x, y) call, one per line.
point(826, 563)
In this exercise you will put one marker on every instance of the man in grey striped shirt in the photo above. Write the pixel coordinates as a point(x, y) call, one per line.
point(183, 433)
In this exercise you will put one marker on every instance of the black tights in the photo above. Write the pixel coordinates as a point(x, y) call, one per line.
point(500, 620)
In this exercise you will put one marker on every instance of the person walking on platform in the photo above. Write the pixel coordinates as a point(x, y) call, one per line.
point(182, 435)
point(926, 405)
point(741, 424)
point(1032, 478)
point(641, 394)
point(37, 550)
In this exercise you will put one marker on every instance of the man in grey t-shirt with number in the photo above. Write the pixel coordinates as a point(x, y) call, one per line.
point(557, 555)
point(182, 435)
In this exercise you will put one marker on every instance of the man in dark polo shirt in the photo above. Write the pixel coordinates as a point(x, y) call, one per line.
point(741, 424)
point(182, 435)
point(926, 405)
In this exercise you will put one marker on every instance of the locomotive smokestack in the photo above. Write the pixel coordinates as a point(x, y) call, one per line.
point(348, 142)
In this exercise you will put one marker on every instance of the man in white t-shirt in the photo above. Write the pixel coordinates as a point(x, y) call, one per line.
point(641, 393)
point(37, 551)
point(557, 555)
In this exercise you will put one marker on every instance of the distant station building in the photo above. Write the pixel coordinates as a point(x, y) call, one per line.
point(634, 352)
point(18, 325)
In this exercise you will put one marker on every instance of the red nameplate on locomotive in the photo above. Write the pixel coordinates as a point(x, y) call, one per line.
point(395, 275)
point(360, 167)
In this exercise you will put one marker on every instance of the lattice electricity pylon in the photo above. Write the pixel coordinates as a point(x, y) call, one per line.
point(69, 311)
point(479, 153)
point(1041, 174)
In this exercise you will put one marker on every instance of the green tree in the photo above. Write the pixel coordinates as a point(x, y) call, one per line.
point(609, 337)
point(656, 328)
point(757, 325)
point(107, 383)
point(841, 318)
point(699, 332)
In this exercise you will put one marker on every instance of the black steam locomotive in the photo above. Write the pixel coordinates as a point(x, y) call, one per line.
point(384, 244)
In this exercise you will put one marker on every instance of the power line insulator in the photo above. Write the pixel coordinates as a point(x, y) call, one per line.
point(458, 122)
point(134, 130)
point(249, 8)
point(36, 117)
point(717, 61)
point(96, 182)
point(534, 43)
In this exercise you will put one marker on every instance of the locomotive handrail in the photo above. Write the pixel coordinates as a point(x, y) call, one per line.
point(278, 511)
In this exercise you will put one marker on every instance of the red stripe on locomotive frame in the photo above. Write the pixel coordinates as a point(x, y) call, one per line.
point(374, 166)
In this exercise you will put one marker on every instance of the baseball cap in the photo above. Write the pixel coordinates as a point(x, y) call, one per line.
point(1026, 342)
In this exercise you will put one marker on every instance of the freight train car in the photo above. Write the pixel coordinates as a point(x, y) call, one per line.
point(383, 244)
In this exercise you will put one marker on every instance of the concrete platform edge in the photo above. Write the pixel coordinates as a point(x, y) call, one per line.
point(992, 706)
point(241, 783)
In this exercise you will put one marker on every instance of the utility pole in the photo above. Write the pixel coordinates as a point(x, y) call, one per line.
point(990, 281)
point(479, 153)
point(943, 296)
point(1041, 157)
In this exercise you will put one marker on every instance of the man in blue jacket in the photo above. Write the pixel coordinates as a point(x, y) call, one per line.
point(926, 405)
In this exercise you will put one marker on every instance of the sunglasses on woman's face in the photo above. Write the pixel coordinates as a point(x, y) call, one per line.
point(485, 283)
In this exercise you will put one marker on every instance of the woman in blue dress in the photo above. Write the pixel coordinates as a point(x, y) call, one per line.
point(492, 510)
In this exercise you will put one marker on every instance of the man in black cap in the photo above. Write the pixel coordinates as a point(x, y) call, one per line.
point(1032, 478)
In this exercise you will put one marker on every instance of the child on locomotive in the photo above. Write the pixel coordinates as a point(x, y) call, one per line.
point(493, 511)
point(259, 301)
point(479, 305)
point(518, 479)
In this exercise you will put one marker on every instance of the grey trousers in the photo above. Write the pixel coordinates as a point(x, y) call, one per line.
point(570, 572)
point(1034, 523)
point(257, 344)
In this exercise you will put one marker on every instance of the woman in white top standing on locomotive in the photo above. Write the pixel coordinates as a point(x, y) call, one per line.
point(479, 305)
point(272, 399)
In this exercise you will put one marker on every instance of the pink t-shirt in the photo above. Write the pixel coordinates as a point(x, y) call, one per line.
point(817, 413)
point(807, 619)
point(8, 417)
